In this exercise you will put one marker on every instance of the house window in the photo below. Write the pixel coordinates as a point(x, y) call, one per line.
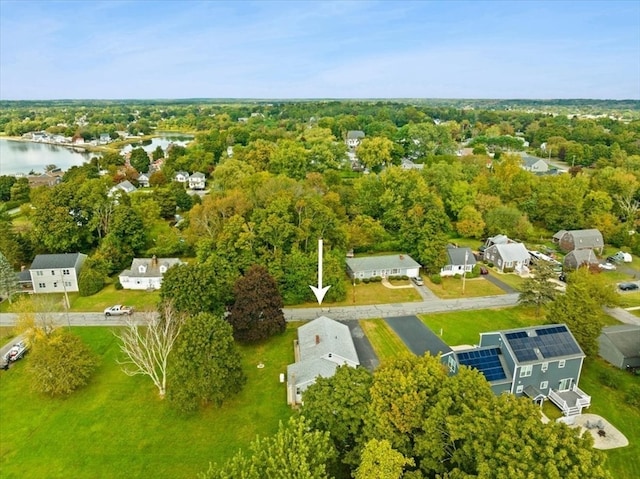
point(163, 269)
point(452, 364)
point(67, 284)
point(564, 384)
point(65, 271)
point(545, 366)
point(525, 371)
point(42, 285)
point(544, 385)
point(142, 269)
point(39, 273)
point(519, 389)
point(53, 273)
point(55, 284)
point(561, 363)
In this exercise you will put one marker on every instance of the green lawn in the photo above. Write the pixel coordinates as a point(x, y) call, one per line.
point(119, 427)
point(372, 293)
point(384, 340)
point(473, 288)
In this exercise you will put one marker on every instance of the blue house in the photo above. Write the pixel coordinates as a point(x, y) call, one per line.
point(541, 362)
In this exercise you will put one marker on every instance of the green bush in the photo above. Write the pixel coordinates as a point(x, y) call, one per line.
point(366, 280)
point(90, 282)
point(357, 281)
point(508, 270)
point(490, 264)
point(608, 378)
point(118, 285)
point(457, 276)
point(405, 277)
point(436, 279)
point(633, 396)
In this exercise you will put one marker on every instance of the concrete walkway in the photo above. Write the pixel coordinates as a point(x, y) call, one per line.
point(622, 315)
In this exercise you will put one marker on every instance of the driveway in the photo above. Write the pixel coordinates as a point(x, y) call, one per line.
point(366, 354)
point(500, 284)
point(412, 331)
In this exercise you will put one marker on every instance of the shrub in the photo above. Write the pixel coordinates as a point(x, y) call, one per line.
point(405, 277)
point(457, 276)
point(633, 395)
point(90, 281)
point(608, 378)
point(357, 281)
point(376, 279)
point(436, 279)
point(508, 270)
point(490, 264)
point(118, 285)
point(366, 280)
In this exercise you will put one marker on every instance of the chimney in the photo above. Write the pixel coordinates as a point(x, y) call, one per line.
point(154, 261)
point(317, 339)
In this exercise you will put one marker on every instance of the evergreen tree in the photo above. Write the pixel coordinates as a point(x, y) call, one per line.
point(537, 290)
point(8, 279)
point(257, 311)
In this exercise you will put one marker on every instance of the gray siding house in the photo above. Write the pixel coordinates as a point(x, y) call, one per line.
point(56, 273)
point(541, 362)
point(580, 257)
point(620, 345)
point(513, 256)
point(383, 266)
point(580, 239)
point(322, 346)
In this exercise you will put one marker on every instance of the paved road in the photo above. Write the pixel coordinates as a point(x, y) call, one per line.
point(80, 319)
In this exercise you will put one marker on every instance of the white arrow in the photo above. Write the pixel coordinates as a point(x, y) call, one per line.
point(319, 291)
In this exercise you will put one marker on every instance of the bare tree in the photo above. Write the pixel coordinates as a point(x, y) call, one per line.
point(628, 207)
point(147, 346)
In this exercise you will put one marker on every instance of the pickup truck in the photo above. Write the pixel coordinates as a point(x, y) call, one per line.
point(118, 310)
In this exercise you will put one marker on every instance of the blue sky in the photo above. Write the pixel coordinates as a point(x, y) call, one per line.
point(319, 49)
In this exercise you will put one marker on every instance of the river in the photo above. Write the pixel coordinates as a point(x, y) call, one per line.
point(28, 156)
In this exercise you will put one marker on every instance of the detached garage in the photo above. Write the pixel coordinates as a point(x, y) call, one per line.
point(620, 346)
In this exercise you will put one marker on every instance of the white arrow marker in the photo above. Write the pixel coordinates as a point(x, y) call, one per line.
point(319, 291)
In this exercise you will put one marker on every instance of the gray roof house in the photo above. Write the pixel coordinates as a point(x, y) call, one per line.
point(143, 180)
point(354, 137)
point(541, 362)
point(125, 186)
point(579, 257)
point(534, 165)
point(197, 181)
point(510, 256)
point(56, 273)
point(580, 239)
point(620, 345)
point(497, 239)
point(459, 261)
point(146, 273)
point(322, 346)
point(383, 266)
point(181, 176)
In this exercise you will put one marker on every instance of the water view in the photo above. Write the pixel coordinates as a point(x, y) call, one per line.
point(27, 156)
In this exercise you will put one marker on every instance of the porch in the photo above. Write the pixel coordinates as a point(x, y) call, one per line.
point(571, 401)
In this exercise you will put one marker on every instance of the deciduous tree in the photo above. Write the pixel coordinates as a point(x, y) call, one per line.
point(205, 364)
point(60, 363)
point(537, 290)
point(256, 313)
point(147, 346)
point(8, 278)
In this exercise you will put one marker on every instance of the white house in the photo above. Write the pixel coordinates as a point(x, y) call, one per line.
point(143, 180)
point(354, 137)
point(56, 273)
point(181, 176)
point(146, 273)
point(460, 260)
point(534, 165)
point(197, 181)
point(322, 346)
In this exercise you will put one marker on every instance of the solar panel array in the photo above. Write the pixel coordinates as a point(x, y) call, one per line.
point(551, 342)
point(484, 360)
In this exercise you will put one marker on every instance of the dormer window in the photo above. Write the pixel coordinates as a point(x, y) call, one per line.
point(163, 269)
point(142, 269)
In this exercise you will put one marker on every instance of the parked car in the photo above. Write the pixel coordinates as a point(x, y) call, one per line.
point(628, 286)
point(607, 266)
point(417, 280)
point(483, 270)
point(620, 257)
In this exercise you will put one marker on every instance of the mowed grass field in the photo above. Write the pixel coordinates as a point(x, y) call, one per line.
point(117, 427)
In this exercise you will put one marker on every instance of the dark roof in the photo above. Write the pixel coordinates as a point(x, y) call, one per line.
point(371, 263)
point(626, 338)
point(485, 360)
point(354, 134)
point(591, 238)
point(541, 343)
point(457, 256)
point(64, 260)
point(533, 392)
